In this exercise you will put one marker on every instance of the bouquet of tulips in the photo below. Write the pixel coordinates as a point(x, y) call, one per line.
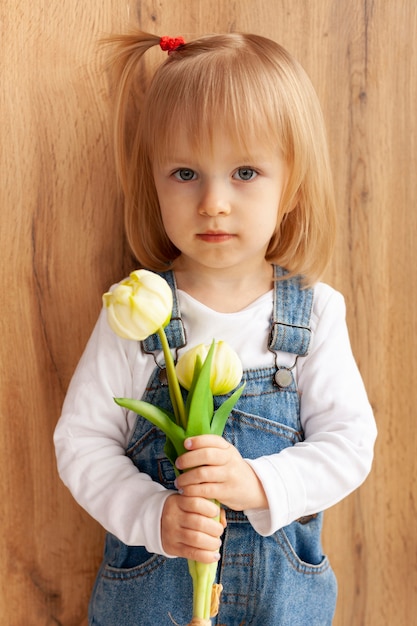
point(137, 308)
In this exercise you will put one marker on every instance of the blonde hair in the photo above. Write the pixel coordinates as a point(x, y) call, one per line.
point(258, 91)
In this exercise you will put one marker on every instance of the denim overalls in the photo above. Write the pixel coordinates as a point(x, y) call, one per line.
point(281, 580)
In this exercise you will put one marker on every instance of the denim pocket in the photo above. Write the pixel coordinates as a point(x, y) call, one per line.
point(121, 557)
point(146, 593)
point(256, 436)
point(301, 544)
point(142, 568)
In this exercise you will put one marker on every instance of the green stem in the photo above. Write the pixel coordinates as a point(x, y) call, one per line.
point(203, 575)
point(173, 384)
point(204, 578)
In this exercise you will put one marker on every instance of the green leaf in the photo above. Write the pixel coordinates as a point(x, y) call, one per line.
point(173, 384)
point(201, 402)
point(221, 416)
point(171, 454)
point(158, 417)
point(196, 373)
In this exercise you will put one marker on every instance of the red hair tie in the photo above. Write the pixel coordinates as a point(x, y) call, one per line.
point(169, 44)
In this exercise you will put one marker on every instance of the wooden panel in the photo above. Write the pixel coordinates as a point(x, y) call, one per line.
point(62, 244)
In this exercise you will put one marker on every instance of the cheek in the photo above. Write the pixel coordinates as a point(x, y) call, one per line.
point(271, 225)
point(270, 217)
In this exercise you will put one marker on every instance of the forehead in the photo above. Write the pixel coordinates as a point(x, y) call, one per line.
point(219, 143)
point(234, 140)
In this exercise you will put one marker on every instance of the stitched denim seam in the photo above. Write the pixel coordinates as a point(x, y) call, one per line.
point(269, 427)
point(121, 575)
point(296, 563)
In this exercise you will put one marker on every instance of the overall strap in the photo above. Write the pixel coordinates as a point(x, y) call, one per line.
point(290, 330)
point(175, 330)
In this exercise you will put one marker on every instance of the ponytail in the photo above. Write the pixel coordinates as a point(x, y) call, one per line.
point(125, 58)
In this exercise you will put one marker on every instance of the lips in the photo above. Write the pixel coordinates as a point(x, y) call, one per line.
point(215, 236)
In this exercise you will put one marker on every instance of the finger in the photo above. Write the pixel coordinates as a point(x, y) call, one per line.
point(200, 475)
point(200, 506)
point(194, 544)
point(223, 520)
point(202, 533)
point(205, 441)
point(209, 491)
point(196, 554)
point(203, 456)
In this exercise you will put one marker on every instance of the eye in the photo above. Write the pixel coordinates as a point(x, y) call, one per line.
point(184, 174)
point(245, 173)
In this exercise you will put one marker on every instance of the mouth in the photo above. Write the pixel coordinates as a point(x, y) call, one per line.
point(214, 236)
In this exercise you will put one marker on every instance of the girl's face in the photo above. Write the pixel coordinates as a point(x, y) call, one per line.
point(220, 206)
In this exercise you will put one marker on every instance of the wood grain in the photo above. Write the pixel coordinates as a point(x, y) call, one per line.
point(62, 244)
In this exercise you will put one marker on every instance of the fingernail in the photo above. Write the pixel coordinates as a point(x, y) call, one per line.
point(188, 443)
point(180, 491)
point(216, 556)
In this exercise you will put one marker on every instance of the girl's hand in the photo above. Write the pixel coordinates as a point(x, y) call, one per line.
point(216, 470)
point(189, 530)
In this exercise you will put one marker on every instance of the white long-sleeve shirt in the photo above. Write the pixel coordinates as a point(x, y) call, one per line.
point(93, 432)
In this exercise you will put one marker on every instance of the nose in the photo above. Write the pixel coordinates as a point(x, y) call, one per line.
point(214, 199)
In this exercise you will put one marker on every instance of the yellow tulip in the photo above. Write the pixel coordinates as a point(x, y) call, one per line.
point(139, 305)
point(226, 367)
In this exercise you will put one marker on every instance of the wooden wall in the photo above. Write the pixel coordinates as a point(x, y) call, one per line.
point(61, 243)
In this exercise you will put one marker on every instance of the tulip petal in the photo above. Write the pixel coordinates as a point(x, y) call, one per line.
point(226, 369)
point(139, 305)
point(187, 363)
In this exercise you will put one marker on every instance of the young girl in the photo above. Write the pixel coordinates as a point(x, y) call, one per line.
point(228, 192)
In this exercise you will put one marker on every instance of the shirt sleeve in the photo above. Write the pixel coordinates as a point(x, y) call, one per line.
point(339, 428)
point(90, 441)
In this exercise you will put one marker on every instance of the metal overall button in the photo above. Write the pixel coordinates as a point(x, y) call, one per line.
point(283, 377)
